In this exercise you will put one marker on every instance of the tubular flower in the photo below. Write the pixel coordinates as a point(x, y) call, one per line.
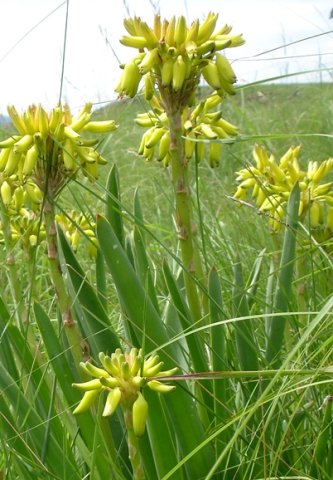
point(49, 147)
point(76, 226)
point(123, 376)
point(271, 183)
point(175, 55)
point(199, 123)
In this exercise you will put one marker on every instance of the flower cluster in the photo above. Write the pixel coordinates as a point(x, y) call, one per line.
point(16, 194)
point(76, 226)
point(123, 376)
point(174, 55)
point(25, 228)
point(271, 183)
point(199, 123)
point(48, 149)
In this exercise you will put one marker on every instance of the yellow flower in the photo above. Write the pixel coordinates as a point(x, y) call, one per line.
point(123, 376)
point(25, 228)
point(176, 55)
point(76, 226)
point(49, 147)
point(199, 123)
point(271, 183)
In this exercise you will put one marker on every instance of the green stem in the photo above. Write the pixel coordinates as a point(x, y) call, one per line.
point(77, 345)
point(14, 282)
point(133, 447)
point(190, 257)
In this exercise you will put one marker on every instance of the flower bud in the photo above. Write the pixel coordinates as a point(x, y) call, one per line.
point(101, 126)
point(12, 162)
point(92, 370)
point(112, 402)
point(30, 160)
point(6, 193)
point(109, 382)
point(108, 365)
point(140, 414)
point(160, 387)
point(94, 384)
point(87, 401)
point(133, 41)
point(179, 73)
point(33, 240)
point(23, 144)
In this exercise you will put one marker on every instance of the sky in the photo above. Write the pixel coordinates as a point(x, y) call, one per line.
point(32, 39)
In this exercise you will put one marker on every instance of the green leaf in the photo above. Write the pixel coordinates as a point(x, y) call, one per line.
point(113, 204)
point(254, 278)
point(144, 318)
point(32, 427)
point(138, 306)
point(284, 287)
point(29, 364)
point(101, 281)
point(218, 344)
point(324, 443)
point(58, 361)
point(247, 348)
point(195, 342)
point(269, 296)
point(94, 320)
point(143, 266)
point(223, 391)
point(6, 353)
point(138, 213)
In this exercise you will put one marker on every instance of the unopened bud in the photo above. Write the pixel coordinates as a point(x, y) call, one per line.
point(140, 414)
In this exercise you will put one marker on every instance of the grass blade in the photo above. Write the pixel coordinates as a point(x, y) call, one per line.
point(246, 345)
point(31, 426)
point(218, 345)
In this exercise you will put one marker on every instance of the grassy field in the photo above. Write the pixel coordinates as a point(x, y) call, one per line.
point(245, 417)
point(291, 110)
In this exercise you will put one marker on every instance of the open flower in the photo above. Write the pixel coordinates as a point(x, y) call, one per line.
point(123, 376)
point(50, 148)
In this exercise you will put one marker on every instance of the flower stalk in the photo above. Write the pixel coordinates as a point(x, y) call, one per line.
point(77, 345)
point(183, 214)
point(49, 150)
point(14, 282)
point(173, 56)
point(133, 447)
